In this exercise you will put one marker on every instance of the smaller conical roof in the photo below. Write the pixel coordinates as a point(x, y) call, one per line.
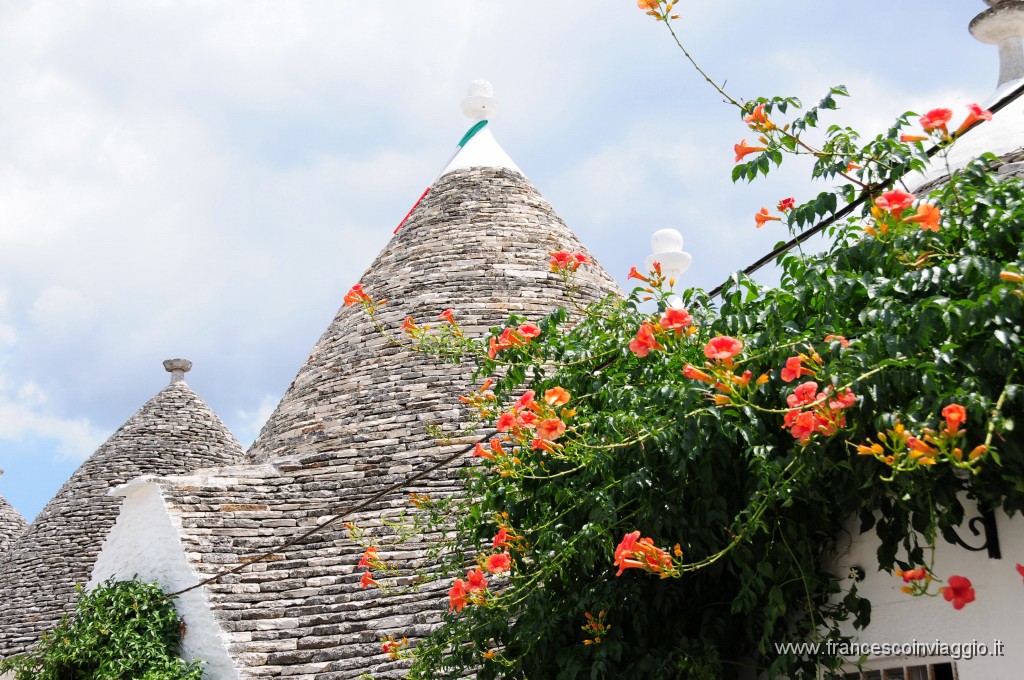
point(173, 433)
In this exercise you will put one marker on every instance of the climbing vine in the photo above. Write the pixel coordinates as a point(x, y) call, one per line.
point(120, 630)
point(669, 477)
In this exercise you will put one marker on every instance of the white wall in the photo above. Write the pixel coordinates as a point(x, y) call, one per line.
point(996, 613)
point(145, 542)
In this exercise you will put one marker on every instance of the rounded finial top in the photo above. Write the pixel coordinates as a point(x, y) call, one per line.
point(1002, 20)
point(667, 245)
point(177, 368)
point(480, 104)
point(480, 88)
point(665, 240)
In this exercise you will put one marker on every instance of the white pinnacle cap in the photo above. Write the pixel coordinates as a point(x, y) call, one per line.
point(1003, 25)
point(481, 150)
point(480, 104)
point(177, 368)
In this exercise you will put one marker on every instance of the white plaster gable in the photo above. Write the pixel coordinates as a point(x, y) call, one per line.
point(144, 542)
point(1003, 135)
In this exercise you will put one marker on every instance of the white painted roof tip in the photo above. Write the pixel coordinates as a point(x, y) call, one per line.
point(177, 368)
point(482, 151)
point(480, 104)
point(1001, 93)
point(1002, 135)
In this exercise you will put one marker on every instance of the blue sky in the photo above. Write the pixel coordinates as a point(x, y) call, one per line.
point(206, 180)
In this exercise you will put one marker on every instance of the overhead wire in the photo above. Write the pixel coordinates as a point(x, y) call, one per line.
point(339, 514)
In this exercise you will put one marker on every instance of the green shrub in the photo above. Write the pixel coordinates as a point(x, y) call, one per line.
point(122, 630)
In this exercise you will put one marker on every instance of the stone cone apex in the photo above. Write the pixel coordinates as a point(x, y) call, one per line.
point(478, 243)
point(175, 432)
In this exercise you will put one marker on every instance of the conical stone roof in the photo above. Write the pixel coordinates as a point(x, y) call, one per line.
point(353, 423)
point(479, 244)
point(173, 433)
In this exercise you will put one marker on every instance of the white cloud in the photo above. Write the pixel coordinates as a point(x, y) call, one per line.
point(31, 395)
point(8, 335)
point(22, 417)
point(248, 424)
point(631, 173)
point(60, 311)
point(24, 414)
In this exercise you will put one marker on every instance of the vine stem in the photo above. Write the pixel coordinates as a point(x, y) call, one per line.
point(803, 582)
point(699, 70)
point(738, 538)
point(817, 153)
point(998, 409)
point(821, 399)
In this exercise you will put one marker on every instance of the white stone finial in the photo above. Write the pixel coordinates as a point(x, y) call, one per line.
point(1003, 25)
point(667, 245)
point(480, 104)
point(177, 368)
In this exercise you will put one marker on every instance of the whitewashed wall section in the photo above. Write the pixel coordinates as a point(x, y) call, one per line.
point(144, 542)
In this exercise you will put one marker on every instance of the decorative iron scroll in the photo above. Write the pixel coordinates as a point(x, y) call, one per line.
point(983, 524)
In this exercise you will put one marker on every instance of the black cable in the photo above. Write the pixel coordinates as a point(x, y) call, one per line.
point(339, 514)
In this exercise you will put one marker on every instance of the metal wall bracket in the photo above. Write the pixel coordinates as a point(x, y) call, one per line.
point(983, 524)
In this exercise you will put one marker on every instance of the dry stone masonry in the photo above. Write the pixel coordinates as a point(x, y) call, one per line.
point(478, 244)
point(353, 423)
point(12, 525)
